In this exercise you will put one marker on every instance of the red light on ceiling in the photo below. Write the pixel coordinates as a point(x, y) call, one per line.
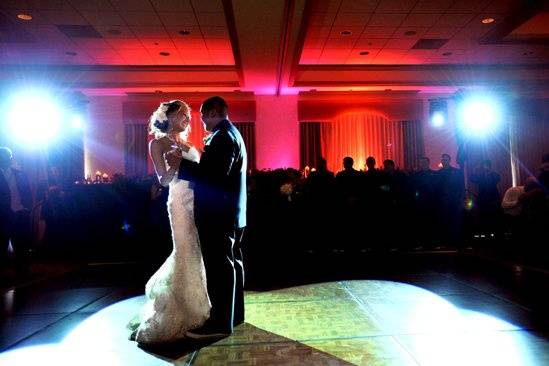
point(346, 33)
point(487, 20)
point(24, 16)
point(185, 32)
point(410, 33)
point(364, 53)
point(164, 53)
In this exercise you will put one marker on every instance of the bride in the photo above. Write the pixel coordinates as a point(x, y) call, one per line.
point(176, 297)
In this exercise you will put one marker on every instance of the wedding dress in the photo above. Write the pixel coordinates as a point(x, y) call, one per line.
point(176, 296)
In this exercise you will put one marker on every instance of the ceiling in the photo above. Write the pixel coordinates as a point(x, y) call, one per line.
point(275, 46)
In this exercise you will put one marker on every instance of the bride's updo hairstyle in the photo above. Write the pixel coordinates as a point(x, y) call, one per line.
point(160, 123)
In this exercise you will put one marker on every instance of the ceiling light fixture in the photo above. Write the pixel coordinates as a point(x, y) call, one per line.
point(447, 54)
point(23, 16)
point(185, 32)
point(364, 53)
point(346, 33)
point(114, 32)
point(487, 20)
point(164, 53)
point(71, 53)
point(410, 33)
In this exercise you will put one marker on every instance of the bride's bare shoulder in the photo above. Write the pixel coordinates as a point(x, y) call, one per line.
point(159, 144)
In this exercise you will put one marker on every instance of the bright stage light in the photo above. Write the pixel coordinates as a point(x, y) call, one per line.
point(479, 117)
point(437, 120)
point(438, 112)
point(33, 119)
point(77, 123)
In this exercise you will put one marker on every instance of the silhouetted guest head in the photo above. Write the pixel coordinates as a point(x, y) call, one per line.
point(348, 163)
point(545, 158)
point(322, 165)
point(371, 163)
point(445, 160)
point(388, 166)
point(424, 163)
point(6, 157)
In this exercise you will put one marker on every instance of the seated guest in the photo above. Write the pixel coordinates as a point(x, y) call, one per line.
point(348, 186)
point(510, 204)
point(394, 203)
point(534, 216)
point(321, 178)
point(424, 194)
point(370, 201)
point(348, 170)
point(320, 195)
point(15, 209)
point(488, 198)
point(450, 196)
point(347, 179)
point(543, 177)
point(512, 210)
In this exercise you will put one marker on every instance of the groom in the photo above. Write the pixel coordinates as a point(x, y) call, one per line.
point(220, 216)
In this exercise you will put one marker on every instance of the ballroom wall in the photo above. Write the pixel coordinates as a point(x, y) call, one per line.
point(277, 125)
point(104, 136)
point(277, 131)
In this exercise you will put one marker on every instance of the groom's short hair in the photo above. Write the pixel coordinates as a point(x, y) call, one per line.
point(218, 104)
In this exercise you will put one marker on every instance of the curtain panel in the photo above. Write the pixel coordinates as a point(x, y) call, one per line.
point(310, 150)
point(359, 135)
point(136, 150)
point(247, 130)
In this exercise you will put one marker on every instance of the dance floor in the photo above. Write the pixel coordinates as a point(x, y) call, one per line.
point(422, 318)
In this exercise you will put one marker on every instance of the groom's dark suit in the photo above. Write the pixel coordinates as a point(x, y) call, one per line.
point(220, 215)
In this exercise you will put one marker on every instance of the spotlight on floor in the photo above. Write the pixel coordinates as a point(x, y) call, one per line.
point(33, 119)
point(479, 117)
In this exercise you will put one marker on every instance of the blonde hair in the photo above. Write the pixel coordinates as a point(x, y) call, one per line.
point(160, 124)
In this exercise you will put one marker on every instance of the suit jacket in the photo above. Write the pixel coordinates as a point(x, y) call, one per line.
point(220, 179)
point(23, 189)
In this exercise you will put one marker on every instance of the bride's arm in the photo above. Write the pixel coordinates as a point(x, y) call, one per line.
point(164, 173)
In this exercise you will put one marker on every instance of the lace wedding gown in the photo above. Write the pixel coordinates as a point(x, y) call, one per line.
point(176, 296)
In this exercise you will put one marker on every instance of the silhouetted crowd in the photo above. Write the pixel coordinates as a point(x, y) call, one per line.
point(388, 209)
point(378, 209)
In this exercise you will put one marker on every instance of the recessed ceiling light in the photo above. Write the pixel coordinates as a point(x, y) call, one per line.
point(488, 20)
point(71, 53)
point(185, 32)
point(447, 54)
point(114, 32)
point(410, 33)
point(364, 53)
point(158, 91)
point(346, 33)
point(23, 16)
point(164, 53)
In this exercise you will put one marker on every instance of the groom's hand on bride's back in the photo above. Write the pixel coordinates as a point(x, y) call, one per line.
point(174, 157)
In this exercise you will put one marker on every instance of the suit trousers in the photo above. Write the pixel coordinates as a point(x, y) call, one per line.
point(223, 261)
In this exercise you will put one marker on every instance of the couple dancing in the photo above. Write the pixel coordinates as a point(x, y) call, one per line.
point(198, 291)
